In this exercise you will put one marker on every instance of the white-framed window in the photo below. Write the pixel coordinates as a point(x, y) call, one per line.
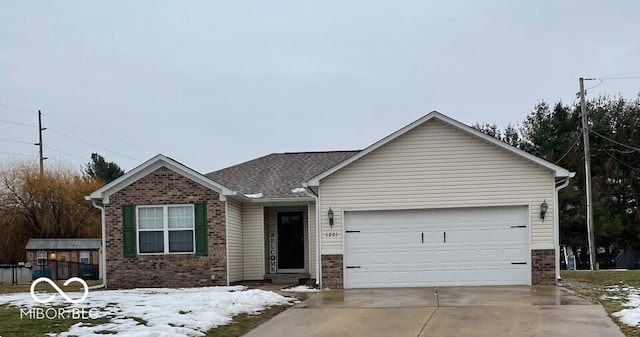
point(84, 256)
point(165, 229)
point(42, 257)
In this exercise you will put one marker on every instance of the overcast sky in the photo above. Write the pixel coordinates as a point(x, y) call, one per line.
point(216, 83)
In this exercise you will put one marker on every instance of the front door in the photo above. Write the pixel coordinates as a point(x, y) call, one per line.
point(290, 242)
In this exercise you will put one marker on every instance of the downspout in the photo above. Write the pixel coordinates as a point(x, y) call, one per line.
point(103, 257)
point(556, 225)
point(318, 259)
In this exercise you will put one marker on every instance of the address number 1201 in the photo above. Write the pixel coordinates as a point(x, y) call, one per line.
point(331, 235)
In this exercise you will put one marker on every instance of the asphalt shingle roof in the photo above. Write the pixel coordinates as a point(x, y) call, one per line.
point(63, 244)
point(277, 174)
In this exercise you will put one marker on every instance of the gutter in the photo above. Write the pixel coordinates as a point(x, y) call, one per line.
point(103, 257)
point(556, 223)
point(312, 194)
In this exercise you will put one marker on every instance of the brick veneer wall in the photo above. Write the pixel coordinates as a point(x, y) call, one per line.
point(543, 267)
point(162, 187)
point(332, 271)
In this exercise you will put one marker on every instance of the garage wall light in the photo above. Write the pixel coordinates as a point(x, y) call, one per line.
point(330, 216)
point(543, 209)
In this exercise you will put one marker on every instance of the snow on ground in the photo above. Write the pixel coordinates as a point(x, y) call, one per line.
point(631, 314)
point(167, 312)
point(301, 289)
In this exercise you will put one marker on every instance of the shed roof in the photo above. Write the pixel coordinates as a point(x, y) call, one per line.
point(278, 175)
point(63, 244)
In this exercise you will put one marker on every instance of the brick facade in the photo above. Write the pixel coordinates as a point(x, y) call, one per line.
point(332, 271)
point(543, 267)
point(165, 187)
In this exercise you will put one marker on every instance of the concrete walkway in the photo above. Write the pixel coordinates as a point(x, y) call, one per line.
point(443, 312)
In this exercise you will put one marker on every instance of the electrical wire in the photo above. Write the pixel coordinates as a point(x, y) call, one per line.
point(96, 132)
point(15, 141)
point(17, 108)
point(16, 123)
point(96, 145)
point(18, 154)
point(64, 153)
point(570, 148)
point(616, 142)
point(620, 161)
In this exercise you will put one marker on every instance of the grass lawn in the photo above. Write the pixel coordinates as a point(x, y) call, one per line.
point(595, 288)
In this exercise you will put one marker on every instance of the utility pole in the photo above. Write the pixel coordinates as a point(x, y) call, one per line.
point(39, 144)
point(587, 176)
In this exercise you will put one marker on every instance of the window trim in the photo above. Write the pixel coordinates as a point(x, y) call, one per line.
point(39, 257)
point(88, 256)
point(166, 229)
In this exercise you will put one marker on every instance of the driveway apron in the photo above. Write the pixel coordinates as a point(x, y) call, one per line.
point(443, 312)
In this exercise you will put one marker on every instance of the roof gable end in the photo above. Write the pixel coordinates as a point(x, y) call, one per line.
point(148, 167)
point(557, 170)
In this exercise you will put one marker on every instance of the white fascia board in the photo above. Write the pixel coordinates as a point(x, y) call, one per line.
point(151, 165)
point(287, 200)
point(557, 170)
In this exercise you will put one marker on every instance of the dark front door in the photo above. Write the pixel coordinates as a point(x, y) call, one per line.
point(290, 242)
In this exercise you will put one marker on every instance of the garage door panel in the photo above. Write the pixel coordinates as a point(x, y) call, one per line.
point(409, 248)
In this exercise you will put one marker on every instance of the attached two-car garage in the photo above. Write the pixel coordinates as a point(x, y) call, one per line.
point(437, 247)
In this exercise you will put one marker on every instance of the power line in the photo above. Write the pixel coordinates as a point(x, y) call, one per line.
point(15, 141)
point(613, 141)
point(88, 143)
point(613, 78)
point(65, 153)
point(620, 161)
point(16, 123)
point(17, 154)
point(570, 148)
point(96, 132)
point(16, 108)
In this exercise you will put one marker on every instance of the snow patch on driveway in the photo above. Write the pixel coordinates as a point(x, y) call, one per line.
point(167, 312)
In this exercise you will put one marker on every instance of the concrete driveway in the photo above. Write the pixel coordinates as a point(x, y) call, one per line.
point(443, 312)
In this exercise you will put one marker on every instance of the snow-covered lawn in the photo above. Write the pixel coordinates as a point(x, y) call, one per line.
point(629, 298)
point(301, 289)
point(161, 311)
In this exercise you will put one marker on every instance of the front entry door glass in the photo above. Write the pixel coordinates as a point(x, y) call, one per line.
point(290, 242)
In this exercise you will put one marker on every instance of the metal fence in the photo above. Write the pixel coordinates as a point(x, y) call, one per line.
point(63, 270)
point(13, 272)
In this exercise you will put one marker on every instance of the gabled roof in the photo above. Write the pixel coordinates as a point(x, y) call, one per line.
point(149, 166)
point(64, 244)
point(277, 175)
point(557, 170)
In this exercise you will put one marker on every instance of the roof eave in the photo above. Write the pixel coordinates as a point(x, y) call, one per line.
point(557, 170)
point(103, 193)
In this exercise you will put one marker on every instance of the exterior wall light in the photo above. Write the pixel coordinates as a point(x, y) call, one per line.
point(543, 209)
point(330, 215)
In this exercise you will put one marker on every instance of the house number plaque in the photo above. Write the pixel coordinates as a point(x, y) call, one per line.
point(272, 253)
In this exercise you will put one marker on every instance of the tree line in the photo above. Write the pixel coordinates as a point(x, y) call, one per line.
point(50, 205)
point(554, 133)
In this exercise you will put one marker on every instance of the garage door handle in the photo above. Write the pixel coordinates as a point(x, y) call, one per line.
point(352, 231)
point(353, 267)
point(422, 237)
point(522, 226)
point(518, 263)
point(445, 236)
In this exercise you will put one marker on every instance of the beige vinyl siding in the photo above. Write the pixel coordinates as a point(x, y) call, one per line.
point(234, 241)
point(312, 239)
point(437, 166)
point(253, 241)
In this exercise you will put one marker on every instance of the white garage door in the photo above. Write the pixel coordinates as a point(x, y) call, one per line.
point(437, 247)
